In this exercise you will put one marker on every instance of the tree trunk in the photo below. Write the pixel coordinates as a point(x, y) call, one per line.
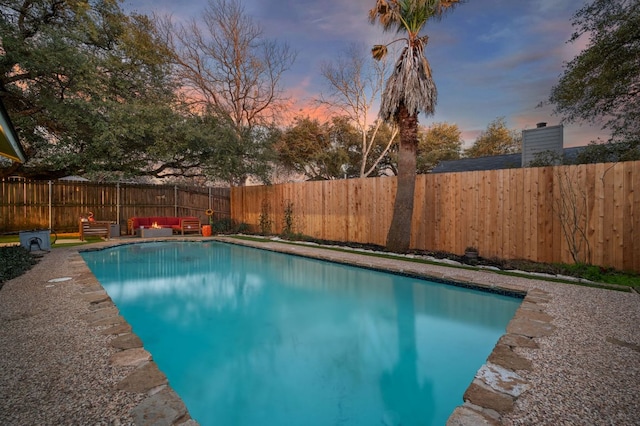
point(399, 236)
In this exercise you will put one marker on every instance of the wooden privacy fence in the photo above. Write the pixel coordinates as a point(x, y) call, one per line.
point(58, 205)
point(540, 214)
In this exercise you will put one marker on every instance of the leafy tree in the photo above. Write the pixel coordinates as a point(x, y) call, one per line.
point(236, 154)
point(602, 83)
point(79, 79)
point(354, 83)
point(440, 142)
point(610, 152)
point(409, 90)
point(346, 143)
point(312, 149)
point(497, 139)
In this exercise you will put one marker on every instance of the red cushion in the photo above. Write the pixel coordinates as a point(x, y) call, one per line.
point(172, 221)
point(162, 221)
point(143, 221)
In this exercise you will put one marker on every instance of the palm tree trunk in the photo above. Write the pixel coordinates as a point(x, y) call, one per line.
point(399, 236)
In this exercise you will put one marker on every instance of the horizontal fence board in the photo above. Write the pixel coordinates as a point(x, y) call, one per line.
point(26, 204)
point(508, 214)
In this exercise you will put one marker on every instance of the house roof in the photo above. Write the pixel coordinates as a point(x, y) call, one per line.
point(9, 144)
point(493, 162)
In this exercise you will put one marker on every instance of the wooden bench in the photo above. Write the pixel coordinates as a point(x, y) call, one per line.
point(101, 228)
point(190, 225)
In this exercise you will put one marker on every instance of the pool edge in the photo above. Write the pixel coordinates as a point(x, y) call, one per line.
point(496, 386)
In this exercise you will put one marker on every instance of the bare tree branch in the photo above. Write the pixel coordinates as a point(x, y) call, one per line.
point(227, 66)
point(355, 82)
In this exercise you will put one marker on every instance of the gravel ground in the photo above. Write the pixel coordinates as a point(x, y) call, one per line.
point(55, 368)
point(588, 372)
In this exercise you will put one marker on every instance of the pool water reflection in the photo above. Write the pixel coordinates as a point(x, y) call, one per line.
point(252, 337)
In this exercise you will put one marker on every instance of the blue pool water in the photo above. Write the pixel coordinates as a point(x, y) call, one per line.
point(252, 337)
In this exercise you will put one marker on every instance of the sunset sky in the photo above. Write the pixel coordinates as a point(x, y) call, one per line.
point(490, 58)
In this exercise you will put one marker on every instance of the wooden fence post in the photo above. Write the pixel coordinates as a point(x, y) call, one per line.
point(50, 205)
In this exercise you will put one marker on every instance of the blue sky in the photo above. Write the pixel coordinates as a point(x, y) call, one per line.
point(490, 58)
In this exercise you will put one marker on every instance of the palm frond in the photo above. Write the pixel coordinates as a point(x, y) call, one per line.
point(409, 15)
point(410, 84)
point(385, 13)
point(379, 51)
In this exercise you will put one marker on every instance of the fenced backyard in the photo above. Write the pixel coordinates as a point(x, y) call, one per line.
point(58, 205)
point(588, 212)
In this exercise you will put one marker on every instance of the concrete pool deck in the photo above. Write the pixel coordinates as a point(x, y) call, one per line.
point(571, 355)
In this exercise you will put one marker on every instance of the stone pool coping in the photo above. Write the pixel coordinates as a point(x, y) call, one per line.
point(517, 385)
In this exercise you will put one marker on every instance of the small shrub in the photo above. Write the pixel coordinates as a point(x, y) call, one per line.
point(14, 261)
point(287, 225)
point(221, 226)
point(265, 219)
point(242, 228)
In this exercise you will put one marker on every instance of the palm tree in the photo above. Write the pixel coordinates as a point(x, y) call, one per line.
point(409, 90)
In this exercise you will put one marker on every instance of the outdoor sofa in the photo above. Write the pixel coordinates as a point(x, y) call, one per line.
point(178, 224)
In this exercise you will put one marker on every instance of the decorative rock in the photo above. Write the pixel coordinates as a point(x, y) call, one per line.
point(97, 297)
point(518, 340)
point(502, 380)
point(537, 299)
point(127, 341)
point(505, 357)
point(533, 315)
point(113, 320)
point(530, 306)
point(91, 288)
point(100, 314)
point(624, 344)
point(117, 329)
point(163, 408)
point(101, 305)
point(480, 395)
point(530, 328)
point(463, 416)
point(130, 357)
point(144, 378)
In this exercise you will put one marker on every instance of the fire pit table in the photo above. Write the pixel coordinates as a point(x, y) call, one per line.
point(154, 232)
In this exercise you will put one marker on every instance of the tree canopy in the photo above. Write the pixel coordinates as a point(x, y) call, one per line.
point(439, 142)
point(97, 92)
point(496, 139)
point(73, 74)
point(316, 150)
point(602, 83)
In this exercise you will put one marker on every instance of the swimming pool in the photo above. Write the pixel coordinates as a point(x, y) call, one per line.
point(252, 337)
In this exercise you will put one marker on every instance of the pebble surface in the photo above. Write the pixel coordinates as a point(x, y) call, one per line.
point(55, 366)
